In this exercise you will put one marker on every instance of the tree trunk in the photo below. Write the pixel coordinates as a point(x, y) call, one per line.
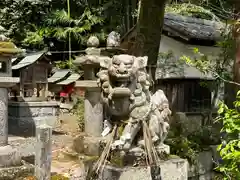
point(236, 66)
point(149, 30)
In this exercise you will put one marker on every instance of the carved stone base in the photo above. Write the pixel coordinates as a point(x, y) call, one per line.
point(90, 146)
point(163, 149)
point(9, 156)
point(136, 155)
point(174, 169)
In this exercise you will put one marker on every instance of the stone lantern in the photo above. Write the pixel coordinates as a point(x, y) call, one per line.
point(93, 112)
point(8, 155)
point(93, 108)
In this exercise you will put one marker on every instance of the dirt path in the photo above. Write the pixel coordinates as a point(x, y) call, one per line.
point(68, 127)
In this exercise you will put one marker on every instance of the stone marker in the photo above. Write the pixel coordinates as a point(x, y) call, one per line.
point(43, 156)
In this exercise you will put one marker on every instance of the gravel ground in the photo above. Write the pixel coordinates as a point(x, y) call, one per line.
point(26, 146)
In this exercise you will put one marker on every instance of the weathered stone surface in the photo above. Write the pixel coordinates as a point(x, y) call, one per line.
point(203, 166)
point(163, 149)
point(175, 169)
point(216, 154)
point(207, 176)
point(9, 156)
point(88, 145)
point(113, 39)
point(78, 144)
point(93, 41)
point(125, 91)
point(7, 48)
point(93, 113)
point(43, 155)
point(24, 115)
point(3, 117)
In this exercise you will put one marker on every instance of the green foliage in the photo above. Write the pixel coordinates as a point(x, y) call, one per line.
point(186, 144)
point(32, 24)
point(59, 26)
point(78, 110)
point(230, 148)
point(183, 148)
point(18, 17)
point(59, 177)
point(168, 64)
point(218, 66)
point(188, 9)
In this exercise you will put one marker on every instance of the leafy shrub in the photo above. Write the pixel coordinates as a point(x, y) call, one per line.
point(230, 147)
point(78, 110)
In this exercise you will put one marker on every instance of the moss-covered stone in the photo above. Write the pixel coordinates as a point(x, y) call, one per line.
point(9, 48)
point(53, 177)
point(16, 173)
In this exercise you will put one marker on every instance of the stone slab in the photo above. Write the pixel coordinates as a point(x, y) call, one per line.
point(203, 166)
point(86, 84)
point(174, 169)
point(207, 176)
point(23, 116)
point(9, 156)
point(6, 82)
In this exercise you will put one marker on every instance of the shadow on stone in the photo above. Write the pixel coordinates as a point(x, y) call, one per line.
point(23, 115)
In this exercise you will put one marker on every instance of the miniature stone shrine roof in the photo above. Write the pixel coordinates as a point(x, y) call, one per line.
point(28, 60)
point(58, 75)
point(7, 47)
point(192, 28)
point(72, 78)
point(188, 28)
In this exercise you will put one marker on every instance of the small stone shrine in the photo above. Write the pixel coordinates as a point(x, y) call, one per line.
point(8, 155)
point(121, 114)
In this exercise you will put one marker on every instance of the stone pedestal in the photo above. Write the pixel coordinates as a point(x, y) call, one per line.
point(174, 169)
point(93, 112)
point(24, 115)
point(93, 119)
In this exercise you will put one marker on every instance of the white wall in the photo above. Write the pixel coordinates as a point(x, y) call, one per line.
point(181, 49)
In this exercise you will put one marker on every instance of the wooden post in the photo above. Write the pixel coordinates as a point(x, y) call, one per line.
point(43, 156)
point(21, 93)
point(46, 85)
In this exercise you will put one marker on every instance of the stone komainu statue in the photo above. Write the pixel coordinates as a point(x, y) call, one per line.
point(125, 92)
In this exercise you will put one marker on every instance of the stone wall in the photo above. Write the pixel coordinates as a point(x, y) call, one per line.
point(203, 169)
point(24, 115)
